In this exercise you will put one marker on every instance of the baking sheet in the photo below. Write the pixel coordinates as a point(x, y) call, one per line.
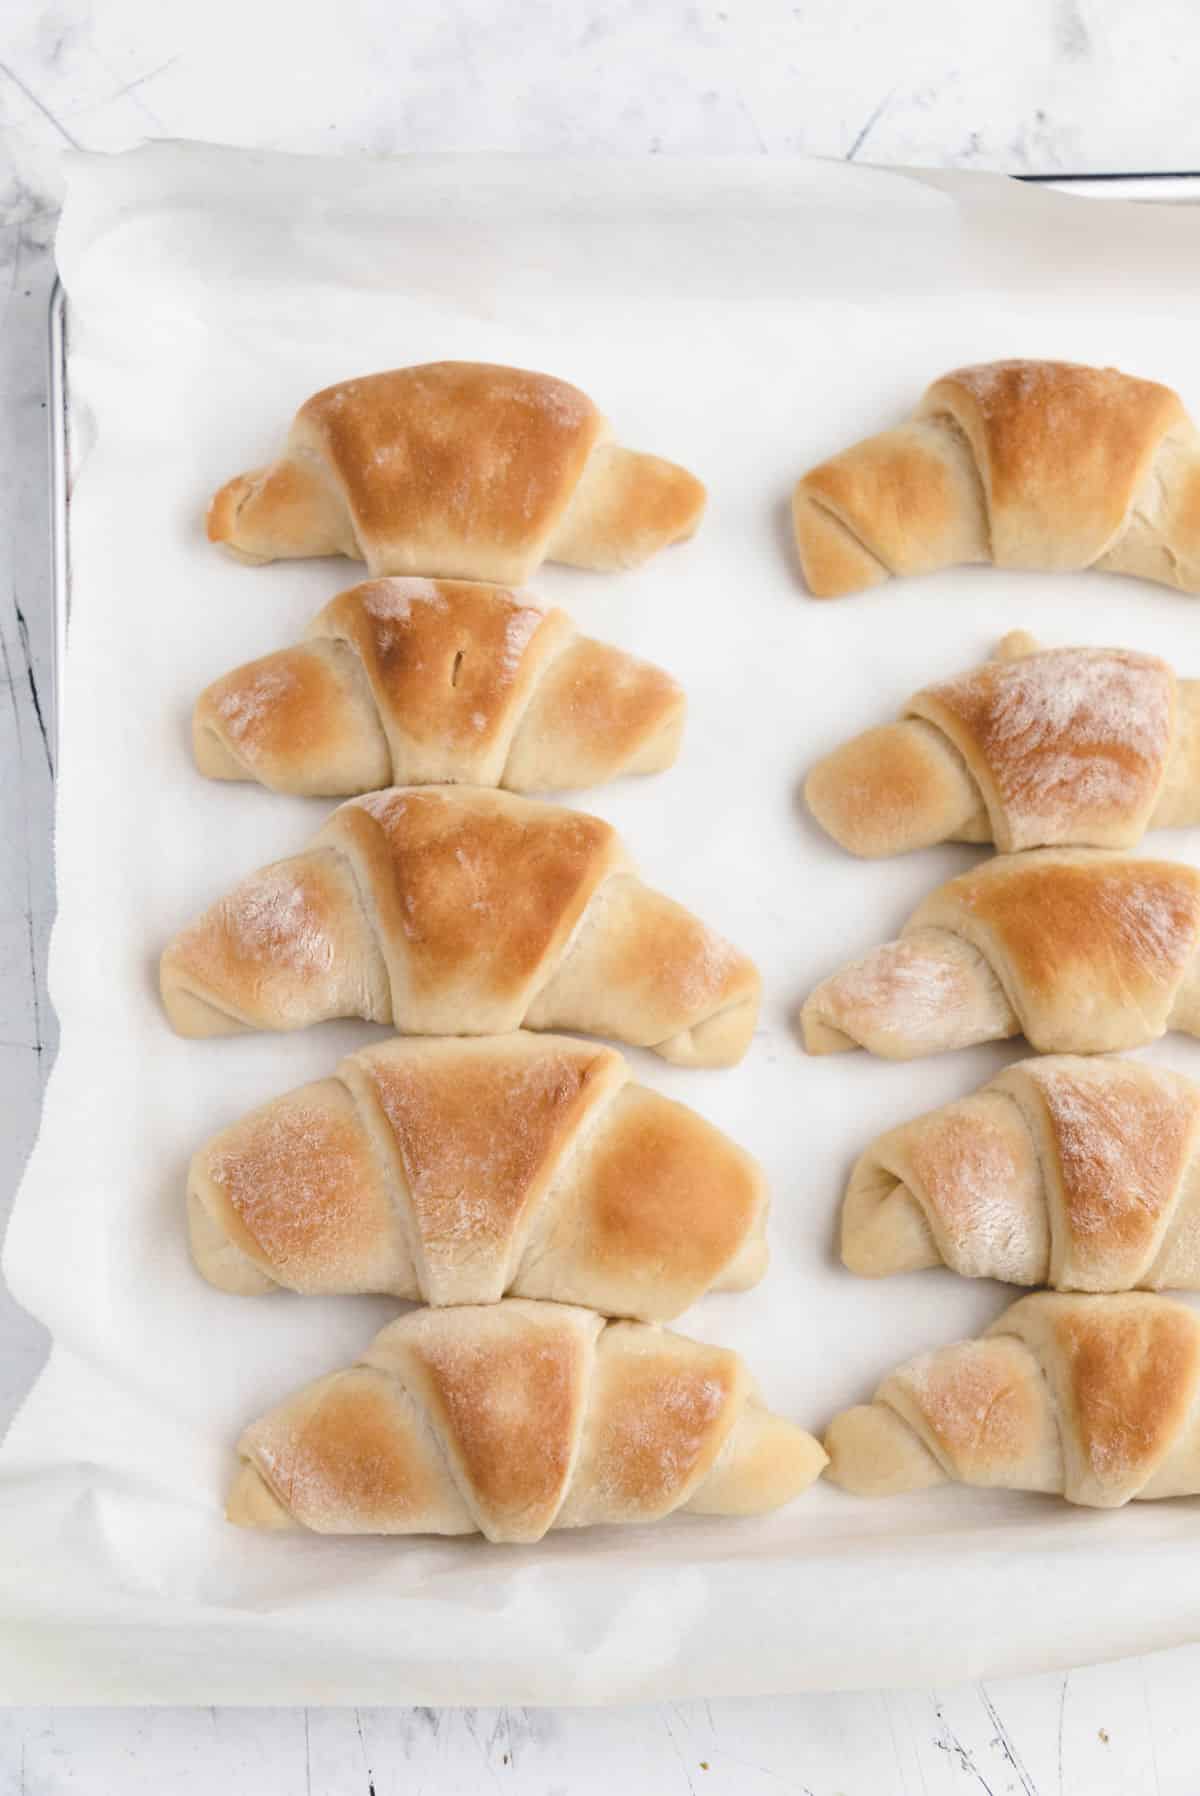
point(58, 426)
point(745, 317)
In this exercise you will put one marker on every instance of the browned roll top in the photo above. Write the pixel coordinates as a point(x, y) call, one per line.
point(461, 469)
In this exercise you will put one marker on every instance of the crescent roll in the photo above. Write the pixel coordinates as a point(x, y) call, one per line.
point(462, 469)
point(1080, 1174)
point(1025, 464)
point(414, 682)
point(512, 1418)
point(1091, 1398)
point(454, 911)
point(1083, 951)
point(457, 1171)
point(1087, 747)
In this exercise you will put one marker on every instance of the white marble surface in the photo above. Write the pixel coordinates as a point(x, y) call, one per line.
point(1032, 86)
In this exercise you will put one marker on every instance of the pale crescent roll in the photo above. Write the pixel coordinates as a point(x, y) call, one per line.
point(447, 910)
point(1083, 951)
point(429, 682)
point(1026, 464)
point(509, 1419)
point(467, 470)
point(1096, 1399)
point(1080, 1174)
point(456, 1171)
point(1086, 747)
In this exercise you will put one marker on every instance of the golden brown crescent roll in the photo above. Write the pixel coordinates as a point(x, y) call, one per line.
point(446, 910)
point(462, 469)
point(1088, 747)
point(1024, 464)
point(513, 1418)
point(415, 682)
point(1083, 951)
point(1080, 1174)
point(1092, 1398)
point(456, 1171)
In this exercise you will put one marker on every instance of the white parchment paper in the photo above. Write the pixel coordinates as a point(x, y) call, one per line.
point(746, 318)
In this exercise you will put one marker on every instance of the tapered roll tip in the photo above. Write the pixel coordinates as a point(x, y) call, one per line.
point(884, 1228)
point(882, 793)
point(1015, 646)
point(224, 506)
point(856, 1248)
point(924, 993)
point(662, 504)
point(662, 750)
point(884, 1231)
point(189, 1012)
point(169, 989)
point(748, 1267)
point(817, 1032)
point(767, 1462)
point(684, 499)
point(628, 505)
point(216, 1258)
point(832, 559)
point(872, 1453)
point(224, 510)
point(851, 1443)
point(211, 752)
point(252, 1505)
point(283, 720)
point(786, 1462)
point(720, 1040)
point(277, 952)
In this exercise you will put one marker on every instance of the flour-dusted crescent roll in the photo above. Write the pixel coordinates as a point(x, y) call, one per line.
point(413, 682)
point(1083, 746)
point(513, 1418)
point(1024, 464)
point(462, 469)
point(1085, 952)
point(1092, 1398)
point(453, 911)
point(456, 1171)
point(1081, 1174)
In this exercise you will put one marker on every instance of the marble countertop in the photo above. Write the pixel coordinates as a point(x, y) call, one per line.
point(1037, 86)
